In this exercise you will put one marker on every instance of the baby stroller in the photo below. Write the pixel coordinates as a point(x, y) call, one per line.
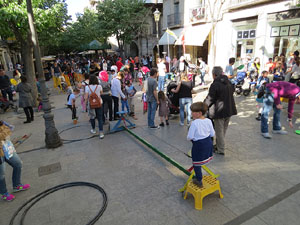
point(239, 84)
point(5, 105)
point(173, 97)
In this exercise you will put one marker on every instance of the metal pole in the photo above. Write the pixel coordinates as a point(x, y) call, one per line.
point(52, 138)
point(169, 51)
point(157, 39)
point(170, 160)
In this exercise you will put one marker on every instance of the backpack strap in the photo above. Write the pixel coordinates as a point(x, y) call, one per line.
point(91, 89)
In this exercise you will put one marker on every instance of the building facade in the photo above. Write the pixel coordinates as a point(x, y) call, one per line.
point(261, 28)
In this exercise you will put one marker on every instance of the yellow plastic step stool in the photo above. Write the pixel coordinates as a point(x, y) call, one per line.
point(210, 185)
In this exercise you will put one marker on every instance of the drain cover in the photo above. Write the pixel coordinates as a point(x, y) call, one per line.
point(52, 168)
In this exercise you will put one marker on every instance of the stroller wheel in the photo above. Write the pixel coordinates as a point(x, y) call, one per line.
point(238, 91)
point(246, 92)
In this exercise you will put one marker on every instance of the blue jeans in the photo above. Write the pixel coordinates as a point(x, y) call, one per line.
point(161, 83)
point(202, 77)
point(16, 163)
point(151, 113)
point(99, 113)
point(185, 103)
point(268, 104)
point(125, 104)
point(198, 173)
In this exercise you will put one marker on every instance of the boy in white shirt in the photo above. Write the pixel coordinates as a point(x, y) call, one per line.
point(200, 133)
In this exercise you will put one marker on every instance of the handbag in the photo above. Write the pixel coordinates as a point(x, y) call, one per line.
point(8, 149)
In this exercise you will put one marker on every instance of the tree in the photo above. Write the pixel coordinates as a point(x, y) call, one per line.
point(215, 9)
point(50, 17)
point(121, 18)
point(83, 31)
point(52, 138)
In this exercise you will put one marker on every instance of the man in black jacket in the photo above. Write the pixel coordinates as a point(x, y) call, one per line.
point(5, 86)
point(221, 106)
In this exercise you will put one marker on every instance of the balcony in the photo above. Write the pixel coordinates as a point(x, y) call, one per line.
point(236, 4)
point(174, 20)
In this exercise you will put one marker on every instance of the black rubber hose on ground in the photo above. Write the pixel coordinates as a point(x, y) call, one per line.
point(43, 194)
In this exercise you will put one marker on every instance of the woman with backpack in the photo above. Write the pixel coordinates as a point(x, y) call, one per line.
point(106, 96)
point(93, 93)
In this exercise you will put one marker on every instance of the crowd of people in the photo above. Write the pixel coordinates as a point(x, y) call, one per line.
point(109, 81)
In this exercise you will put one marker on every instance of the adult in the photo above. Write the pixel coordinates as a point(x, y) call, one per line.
point(152, 98)
point(26, 99)
point(55, 72)
point(5, 86)
point(229, 70)
point(94, 113)
point(106, 95)
point(202, 69)
point(137, 62)
point(161, 74)
point(15, 162)
point(150, 61)
point(119, 64)
point(184, 90)
point(221, 106)
point(116, 91)
point(294, 75)
point(275, 91)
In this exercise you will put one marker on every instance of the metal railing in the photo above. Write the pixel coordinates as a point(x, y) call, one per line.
point(174, 19)
point(240, 3)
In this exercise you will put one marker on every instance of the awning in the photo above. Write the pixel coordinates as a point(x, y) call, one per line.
point(195, 35)
point(164, 39)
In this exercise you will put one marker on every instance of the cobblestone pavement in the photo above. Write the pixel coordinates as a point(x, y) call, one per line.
point(259, 177)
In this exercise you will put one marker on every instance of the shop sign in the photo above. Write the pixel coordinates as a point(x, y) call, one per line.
point(283, 31)
point(294, 30)
point(246, 34)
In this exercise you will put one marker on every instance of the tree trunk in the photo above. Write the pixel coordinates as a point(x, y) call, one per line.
point(27, 57)
point(52, 138)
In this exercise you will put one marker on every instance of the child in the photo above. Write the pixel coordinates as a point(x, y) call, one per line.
point(71, 104)
point(39, 100)
point(145, 104)
point(200, 133)
point(163, 110)
point(83, 84)
point(140, 76)
point(130, 91)
point(63, 82)
point(261, 80)
point(8, 154)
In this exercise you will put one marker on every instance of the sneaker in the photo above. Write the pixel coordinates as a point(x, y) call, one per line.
point(181, 124)
point(101, 136)
point(21, 187)
point(93, 131)
point(162, 124)
point(218, 152)
point(258, 118)
point(167, 122)
point(266, 135)
point(155, 127)
point(198, 183)
point(8, 197)
point(279, 132)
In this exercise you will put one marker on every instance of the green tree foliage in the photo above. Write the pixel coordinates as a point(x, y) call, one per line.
point(122, 18)
point(81, 32)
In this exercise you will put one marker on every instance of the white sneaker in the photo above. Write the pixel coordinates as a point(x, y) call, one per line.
point(266, 135)
point(279, 132)
point(101, 136)
point(181, 124)
point(93, 131)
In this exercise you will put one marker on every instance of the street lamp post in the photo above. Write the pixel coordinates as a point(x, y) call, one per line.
point(156, 19)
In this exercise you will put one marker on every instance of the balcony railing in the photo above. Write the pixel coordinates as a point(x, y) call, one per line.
point(243, 3)
point(174, 20)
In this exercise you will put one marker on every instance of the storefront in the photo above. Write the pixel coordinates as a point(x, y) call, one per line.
point(285, 31)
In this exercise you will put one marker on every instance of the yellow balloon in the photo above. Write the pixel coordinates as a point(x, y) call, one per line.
point(13, 82)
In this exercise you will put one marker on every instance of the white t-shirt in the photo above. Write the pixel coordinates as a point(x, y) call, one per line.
point(200, 129)
point(140, 75)
point(93, 88)
point(161, 69)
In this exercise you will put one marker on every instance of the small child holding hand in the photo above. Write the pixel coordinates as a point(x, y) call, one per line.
point(200, 133)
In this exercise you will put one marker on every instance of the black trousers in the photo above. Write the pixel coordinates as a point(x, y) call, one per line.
point(73, 109)
point(7, 91)
point(107, 100)
point(116, 106)
point(29, 113)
